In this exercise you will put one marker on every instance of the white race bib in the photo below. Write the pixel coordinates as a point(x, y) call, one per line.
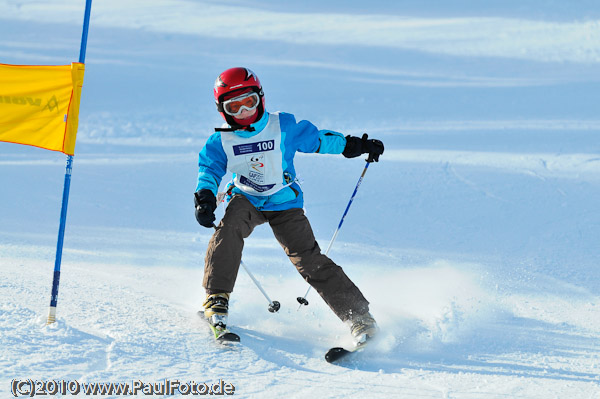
point(256, 162)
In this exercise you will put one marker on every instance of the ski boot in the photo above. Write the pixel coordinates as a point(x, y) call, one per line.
point(215, 310)
point(363, 327)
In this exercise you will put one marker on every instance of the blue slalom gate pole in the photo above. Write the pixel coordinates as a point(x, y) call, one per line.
point(302, 300)
point(67, 186)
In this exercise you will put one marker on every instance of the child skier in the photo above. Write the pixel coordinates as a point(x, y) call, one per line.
point(258, 148)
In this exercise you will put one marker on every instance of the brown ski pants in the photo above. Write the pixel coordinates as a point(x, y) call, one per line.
point(293, 231)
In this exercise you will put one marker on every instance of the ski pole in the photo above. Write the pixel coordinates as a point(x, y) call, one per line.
point(273, 305)
point(302, 300)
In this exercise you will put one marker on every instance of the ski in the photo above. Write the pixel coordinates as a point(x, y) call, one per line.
point(338, 353)
point(225, 335)
point(220, 335)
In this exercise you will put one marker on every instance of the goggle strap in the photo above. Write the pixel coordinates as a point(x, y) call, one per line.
point(234, 128)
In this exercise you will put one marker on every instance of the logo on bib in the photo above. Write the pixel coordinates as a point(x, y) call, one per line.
point(256, 167)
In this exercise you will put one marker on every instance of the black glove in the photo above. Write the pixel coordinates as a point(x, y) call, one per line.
point(356, 146)
point(206, 203)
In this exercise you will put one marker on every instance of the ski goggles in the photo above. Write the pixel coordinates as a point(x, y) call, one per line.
point(236, 105)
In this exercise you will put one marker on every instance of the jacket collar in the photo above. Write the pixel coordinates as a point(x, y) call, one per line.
point(258, 127)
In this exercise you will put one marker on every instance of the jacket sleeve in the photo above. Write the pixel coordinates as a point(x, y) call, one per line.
point(212, 164)
point(310, 139)
point(331, 142)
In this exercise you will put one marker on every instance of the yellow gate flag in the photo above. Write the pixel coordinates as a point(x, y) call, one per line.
point(39, 105)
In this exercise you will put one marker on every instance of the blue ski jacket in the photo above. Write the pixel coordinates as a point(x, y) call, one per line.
point(262, 161)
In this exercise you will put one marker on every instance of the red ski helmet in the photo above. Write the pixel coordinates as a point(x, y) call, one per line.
point(234, 82)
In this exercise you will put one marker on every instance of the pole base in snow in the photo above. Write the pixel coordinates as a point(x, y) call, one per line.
point(274, 307)
point(51, 315)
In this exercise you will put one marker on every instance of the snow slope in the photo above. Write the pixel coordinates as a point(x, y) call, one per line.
point(475, 238)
